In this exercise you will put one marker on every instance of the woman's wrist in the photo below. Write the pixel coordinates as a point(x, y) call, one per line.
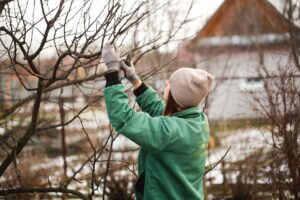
point(112, 78)
point(137, 84)
point(140, 90)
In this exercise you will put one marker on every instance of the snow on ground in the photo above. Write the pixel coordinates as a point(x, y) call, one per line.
point(75, 161)
point(243, 143)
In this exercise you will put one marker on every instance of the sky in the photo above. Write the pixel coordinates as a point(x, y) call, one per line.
point(204, 9)
point(200, 12)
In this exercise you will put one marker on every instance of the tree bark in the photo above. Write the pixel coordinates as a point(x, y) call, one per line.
point(21, 143)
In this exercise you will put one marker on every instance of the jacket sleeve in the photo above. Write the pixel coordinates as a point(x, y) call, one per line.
point(151, 133)
point(151, 103)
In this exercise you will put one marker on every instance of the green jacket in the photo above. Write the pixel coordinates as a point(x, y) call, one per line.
point(173, 148)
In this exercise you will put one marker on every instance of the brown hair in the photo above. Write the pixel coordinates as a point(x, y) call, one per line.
point(171, 106)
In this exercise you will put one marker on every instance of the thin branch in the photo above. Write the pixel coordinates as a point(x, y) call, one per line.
point(211, 167)
point(5, 192)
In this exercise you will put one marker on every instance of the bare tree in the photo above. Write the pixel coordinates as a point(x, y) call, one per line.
point(73, 33)
point(280, 105)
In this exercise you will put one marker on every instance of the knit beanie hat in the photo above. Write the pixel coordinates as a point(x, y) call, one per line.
point(190, 86)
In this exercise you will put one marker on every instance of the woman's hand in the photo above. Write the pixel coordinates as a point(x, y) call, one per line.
point(131, 74)
point(111, 57)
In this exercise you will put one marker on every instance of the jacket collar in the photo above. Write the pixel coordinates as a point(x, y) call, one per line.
point(188, 113)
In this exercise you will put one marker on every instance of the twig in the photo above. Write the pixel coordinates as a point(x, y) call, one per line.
point(4, 192)
point(211, 167)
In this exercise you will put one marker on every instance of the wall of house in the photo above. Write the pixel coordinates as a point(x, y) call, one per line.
point(237, 79)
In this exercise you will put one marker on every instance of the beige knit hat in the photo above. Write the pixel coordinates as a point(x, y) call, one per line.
point(190, 86)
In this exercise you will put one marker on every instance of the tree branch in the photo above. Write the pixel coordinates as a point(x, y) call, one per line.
point(4, 192)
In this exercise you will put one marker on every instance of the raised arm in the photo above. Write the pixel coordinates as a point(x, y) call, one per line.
point(148, 99)
point(155, 134)
point(151, 133)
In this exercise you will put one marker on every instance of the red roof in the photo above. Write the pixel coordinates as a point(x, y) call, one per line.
point(244, 18)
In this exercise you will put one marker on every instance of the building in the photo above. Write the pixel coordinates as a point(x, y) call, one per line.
point(240, 37)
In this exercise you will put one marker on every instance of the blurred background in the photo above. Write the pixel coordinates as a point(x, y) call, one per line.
point(55, 138)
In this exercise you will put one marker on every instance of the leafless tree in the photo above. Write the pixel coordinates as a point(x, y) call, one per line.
point(280, 105)
point(73, 33)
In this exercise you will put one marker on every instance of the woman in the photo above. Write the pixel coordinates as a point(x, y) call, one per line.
point(173, 136)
